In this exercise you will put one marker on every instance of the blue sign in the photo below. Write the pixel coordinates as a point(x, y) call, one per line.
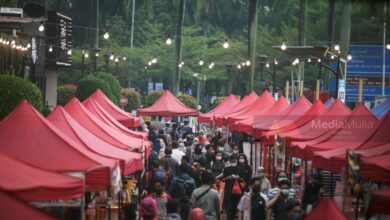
point(366, 64)
point(159, 86)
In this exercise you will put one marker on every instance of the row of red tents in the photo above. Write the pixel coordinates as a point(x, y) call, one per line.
point(90, 138)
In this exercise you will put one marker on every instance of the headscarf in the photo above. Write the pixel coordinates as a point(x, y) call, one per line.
point(148, 207)
point(196, 214)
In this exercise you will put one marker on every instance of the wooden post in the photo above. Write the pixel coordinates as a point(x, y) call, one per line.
point(301, 89)
point(360, 91)
point(318, 90)
point(287, 88)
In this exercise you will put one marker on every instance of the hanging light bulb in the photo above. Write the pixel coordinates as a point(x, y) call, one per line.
point(388, 45)
point(309, 60)
point(349, 57)
point(13, 45)
point(111, 56)
point(124, 58)
point(28, 45)
point(41, 28)
point(106, 35)
point(69, 52)
point(13, 42)
point(86, 55)
point(201, 62)
point(267, 65)
point(154, 60)
point(116, 59)
point(211, 65)
point(332, 57)
point(336, 47)
point(168, 41)
point(50, 49)
point(96, 54)
point(238, 66)
point(248, 62)
point(150, 63)
point(319, 60)
point(275, 61)
point(226, 44)
point(283, 47)
point(1, 40)
point(182, 63)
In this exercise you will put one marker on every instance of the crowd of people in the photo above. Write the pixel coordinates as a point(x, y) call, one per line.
point(207, 176)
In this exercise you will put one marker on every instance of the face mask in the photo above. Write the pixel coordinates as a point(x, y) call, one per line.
point(220, 149)
point(296, 216)
point(285, 192)
point(236, 151)
point(218, 158)
point(232, 164)
point(281, 178)
point(261, 174)
point(256, 189)
point(241, 160)
point(159, 192)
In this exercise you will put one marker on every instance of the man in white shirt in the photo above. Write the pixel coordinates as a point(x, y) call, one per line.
point(176, 153)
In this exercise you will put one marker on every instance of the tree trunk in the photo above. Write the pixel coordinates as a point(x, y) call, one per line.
point(302, 34)
point(252, 34)
point(206, 14)
point(331, 9)
point(179, 37)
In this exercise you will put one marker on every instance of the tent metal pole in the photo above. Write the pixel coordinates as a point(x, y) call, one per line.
point(291, 174)
point(251, 158)
point(82, 211)
point(331, 185)
point(109, 203)
point(255, 168)
point(261, 154)
point(305, 171)
point(357, 208)
point(269, 163)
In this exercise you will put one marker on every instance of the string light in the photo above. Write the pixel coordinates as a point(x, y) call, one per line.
point(201, 62)
point(248, 63)
point(50, 49)
point(309, 60)
point(226, 44)
point(349, 57)
point(116, 59)
point(388, 45)
point(106, 35)
point(96, 54)
point(275, 62)
point(111, 56)
point(336, 47)
point(168, 41)
point(238, 66)
point(319, 60)
point(332, 57)
point(41, 28)
point(69, 52)
point(267, 65)
point(154, 60)
point(211, 65)
point(283, 47)
point(28, 45)
point(124, 58)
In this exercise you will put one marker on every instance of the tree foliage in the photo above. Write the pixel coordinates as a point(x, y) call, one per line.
point(133, 97)
point(187, 100)
point(153, 97)
point(13, 89)
point(89, 85)
point(114, 85)
point(65, 93)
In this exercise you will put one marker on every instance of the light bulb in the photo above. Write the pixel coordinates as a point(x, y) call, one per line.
point(267, 65)
point(349, 57)
point(332, 57)
point(275, 62)
point(149, 63)
point(238, 66)
point(283, 47)
point(337, 47)
point(168, 41)
point(226, 44)
point(248, 63)
point(201, 62)
point(309, 60)
point(41, 28)
point(50, 49)
point(124, 58)
point(296, 60)
point(111, 56)
point(106, 35)
point(69, 52)
point(116, 60)
point(96, 54)
point(12, 42)
point(319, 60)
point(180, 65)
point(388, 46)
point(86, 55)
point(29, 45)
point(154, 60)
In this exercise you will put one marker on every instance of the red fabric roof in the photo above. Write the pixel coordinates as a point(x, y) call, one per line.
point(376, 168)
point(120, 115)
point(168, 105)
point(300, 107)
point(326, 209)
point(374, 151)
point(95, 108)
point(99, 128)
point(27, 136)
point(379, 202)
point(330, 154)
point(12, 208)
point(33, 184)
point(326, 122)
point(245, 102)
point(130, 161)
point(261, 105)
point(225, 106)
point(380, 136)
point(264, 115)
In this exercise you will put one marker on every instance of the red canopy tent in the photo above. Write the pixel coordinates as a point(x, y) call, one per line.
point(225, 106)
point(129, 161)
point(326, 209)
point(376, 168)
point(292, 114)
point(168, 105)
point(33, 184)
point(29, 137)
point(379, 202)
point(12, 208)
point(358, 126)
point(264, 115)
point(368, 142)
point(95, 108)
point(245, 102)
point(329, 120)
point(120, 115)
point(262, 104)
point(102, 130)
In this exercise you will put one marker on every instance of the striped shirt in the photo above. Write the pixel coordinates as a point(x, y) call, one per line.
point(274, 192)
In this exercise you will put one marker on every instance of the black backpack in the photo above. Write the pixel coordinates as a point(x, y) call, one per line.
point(184, 188)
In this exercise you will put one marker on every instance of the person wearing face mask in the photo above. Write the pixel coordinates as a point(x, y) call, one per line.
point(198, 155)
point(265, 183)
point(210, 155)
point(218, 165)
point(282, 175)
point(235, 150)
point(245, 171)
point(230, 199)
point(254, 204)
point(161, 198)
point(280, 209)
point(295, 212)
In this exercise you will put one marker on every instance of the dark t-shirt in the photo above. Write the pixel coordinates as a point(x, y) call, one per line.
point(280, 208)
point(257, 207)
point(229, 182)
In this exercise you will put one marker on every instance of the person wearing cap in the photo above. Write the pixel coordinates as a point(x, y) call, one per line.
point(148, 209)
point(311, 193)
point(265, 183)
point(281, 207)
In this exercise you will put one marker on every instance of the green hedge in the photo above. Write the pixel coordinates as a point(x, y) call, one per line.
point(13, 89)
point(187, 100)
point(153, 97)
point(89, 85)
point(65, 93)
point(134, 99)
point(114, 85)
